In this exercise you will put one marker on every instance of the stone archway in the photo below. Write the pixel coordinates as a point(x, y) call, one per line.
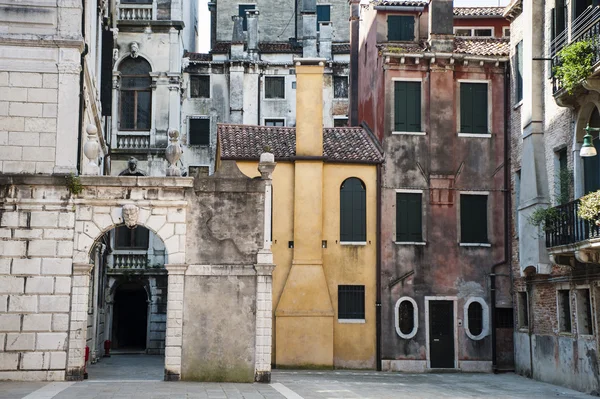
point(167, 219)
point(591, 103)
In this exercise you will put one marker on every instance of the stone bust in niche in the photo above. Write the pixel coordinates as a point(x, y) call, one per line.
point(134, 48)
point(132, 169)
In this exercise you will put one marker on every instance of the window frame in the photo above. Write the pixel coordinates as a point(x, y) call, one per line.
point(193, 76)
point(347, 87)
point(485, 318)
point(415, 317)
point(560, 310)
point(590, 299)
point(518, 73)
point(489, 109)
point(473, 29)
point(353, 240)
point(523, 315)
point(136, 90)
point(488, 222)
point(352, 320)
point(423, 224)
point(245, 21)
point(269, 119)
point(340, 118)
point(415, 27)
point(504, 29)
point(118, 247)
point(267, 77)
point(317, 14)
point(189, 127)
point(421, 131)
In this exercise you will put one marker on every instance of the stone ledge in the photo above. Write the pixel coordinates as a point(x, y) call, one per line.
point(130, 181)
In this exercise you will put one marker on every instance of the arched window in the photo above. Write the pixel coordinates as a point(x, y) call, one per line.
point(407, 317)
point(591, 165)
point(476, 318)
point(136, 94)
point(353, 211)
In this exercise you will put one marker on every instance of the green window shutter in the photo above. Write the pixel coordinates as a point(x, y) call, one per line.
point(473, 108)
point(407, 106)
point(409, 217)
point(473, 218)
point(323, 14)
point(401, 28)
point(353, 210)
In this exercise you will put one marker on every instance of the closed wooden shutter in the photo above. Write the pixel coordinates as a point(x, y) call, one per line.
point(473, 218)
point(353, 211)
point(401, 28)
point(407, 106)
point(473, 108)
point(409, 217)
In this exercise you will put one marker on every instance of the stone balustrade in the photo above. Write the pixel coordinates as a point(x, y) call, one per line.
point(133, 141)
point(137, 12)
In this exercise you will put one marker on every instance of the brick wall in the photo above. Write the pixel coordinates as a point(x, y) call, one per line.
point(28, 110)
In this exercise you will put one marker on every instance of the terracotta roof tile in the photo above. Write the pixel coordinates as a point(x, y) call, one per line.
point(478, 12)
point(340, 144)
point(197, 56)
point(485, 47)
point(401, 3)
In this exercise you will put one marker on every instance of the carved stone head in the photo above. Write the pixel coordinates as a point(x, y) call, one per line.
point(130, 215)
point(134, 47)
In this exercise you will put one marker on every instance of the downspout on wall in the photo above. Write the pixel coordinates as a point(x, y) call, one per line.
point(354, 47)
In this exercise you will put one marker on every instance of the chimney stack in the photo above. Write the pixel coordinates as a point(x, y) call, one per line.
point(252, 21)
point(441, 24)
point(325, 37)
point(237, 40)
point(309, 28)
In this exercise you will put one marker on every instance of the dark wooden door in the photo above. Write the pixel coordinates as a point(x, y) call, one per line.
point(441, 334)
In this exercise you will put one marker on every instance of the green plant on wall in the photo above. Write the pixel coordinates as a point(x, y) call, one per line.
point(576, 63)
point(542, 217)
point(589, 207)
point(73, 184)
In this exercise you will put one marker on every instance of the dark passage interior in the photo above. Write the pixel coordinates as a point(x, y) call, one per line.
point(130, 317)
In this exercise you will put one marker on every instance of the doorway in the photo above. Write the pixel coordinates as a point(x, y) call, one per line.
point(130, 318)
point(441, 334)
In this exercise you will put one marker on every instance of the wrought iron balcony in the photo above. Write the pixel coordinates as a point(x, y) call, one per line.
point(585, 27)
point(566, 228)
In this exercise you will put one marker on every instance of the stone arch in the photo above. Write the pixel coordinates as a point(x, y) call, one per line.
point(166, 219)
point(590, 103)
point(128, 55)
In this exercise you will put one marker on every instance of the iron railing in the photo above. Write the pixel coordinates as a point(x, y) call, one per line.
point(564, 227)
point(585, 27)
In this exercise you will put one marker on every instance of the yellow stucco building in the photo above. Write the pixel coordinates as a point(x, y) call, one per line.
point(324, 230)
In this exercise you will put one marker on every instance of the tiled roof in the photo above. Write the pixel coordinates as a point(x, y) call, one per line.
point(478, 12)
point(197, 56)
point(485, 47)
point(340, 144)
point(473, 46)
point(280, 47)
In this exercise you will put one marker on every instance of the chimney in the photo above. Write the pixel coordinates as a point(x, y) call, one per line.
point(325, 37)
point(309, 28)
point(309, 106)
point(441, 23)
point(237, 40)
point(252, 21)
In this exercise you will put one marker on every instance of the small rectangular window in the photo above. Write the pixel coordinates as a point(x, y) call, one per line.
point(463, 32)
point(199, 131)
point(340, 86)
point(274, 122)
point(517, 201)
point(506, 31)
point(408, 217)
point(407, 106)
point(340, 122)
point(242, 8)
point(274, 87)
point(474, 108)
point(351, 302)
point(401, 28)
point(473, 219)
point(564, 311)
point(483, 32)
point(519, 71)
point(584, 312)
point(323, 14)
point(200, 86)
point(136, 238)
point(504, 318)
point(523, 309)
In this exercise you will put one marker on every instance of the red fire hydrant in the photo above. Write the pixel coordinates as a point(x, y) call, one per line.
point(87, 358)
point(107, 348)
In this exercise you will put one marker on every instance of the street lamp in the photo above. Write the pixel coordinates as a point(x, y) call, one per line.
point(588, 149)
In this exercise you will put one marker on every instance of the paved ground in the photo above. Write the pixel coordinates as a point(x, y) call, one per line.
point(131, 376)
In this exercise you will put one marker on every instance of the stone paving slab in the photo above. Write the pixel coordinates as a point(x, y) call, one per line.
point(309, 385)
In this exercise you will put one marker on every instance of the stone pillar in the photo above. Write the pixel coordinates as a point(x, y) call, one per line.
point(114, 120)
point(236, 92)
point(264, 280)
point(78, 326)
point(174, 337)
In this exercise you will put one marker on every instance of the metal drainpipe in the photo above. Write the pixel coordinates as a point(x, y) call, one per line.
point(260, 76)
point(378, 275)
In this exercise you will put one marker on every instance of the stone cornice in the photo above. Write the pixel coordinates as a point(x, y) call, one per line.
point(41, 41)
